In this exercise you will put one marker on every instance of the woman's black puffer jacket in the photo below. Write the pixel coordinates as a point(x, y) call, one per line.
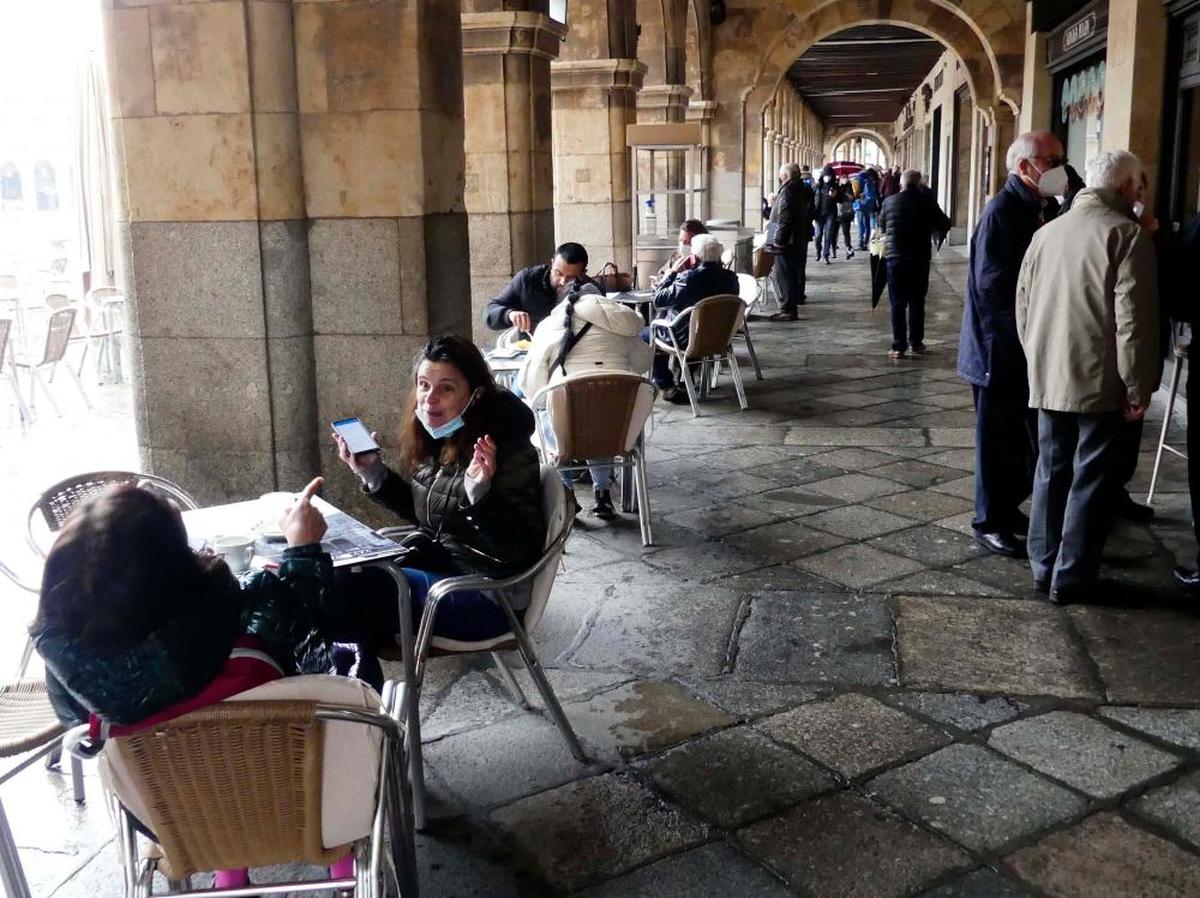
point(505, 531)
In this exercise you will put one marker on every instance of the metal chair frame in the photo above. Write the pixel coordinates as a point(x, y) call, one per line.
point(80, 487)
point(23, 412)
point(633, 463)
point(58, 336)
point(750, 302)
point(374, 864)
point(1180, 359)
point(681, 353)
point(517, 637)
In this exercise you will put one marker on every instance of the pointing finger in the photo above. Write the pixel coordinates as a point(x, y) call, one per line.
point(311, 489)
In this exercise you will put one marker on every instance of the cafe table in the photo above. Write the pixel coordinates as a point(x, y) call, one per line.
point(350, 543)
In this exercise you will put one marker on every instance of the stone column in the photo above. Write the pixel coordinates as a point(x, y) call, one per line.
point(216, 259)
point(594, 99)
point(1133, 89)
point(509, 192)
point(1037, 87)
point(703, 111)
point(381, 103)
point(658, 103)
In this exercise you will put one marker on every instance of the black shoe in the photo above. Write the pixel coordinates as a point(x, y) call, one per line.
point(849, 254)
point(603, 509)
point(1128, 510)
point(827, 262)
point(678, 396)
point(1042, 587)
point(784, 315)
point(1005, 544)
point(1187, 579)
point(1094, 592)
point(918, 349)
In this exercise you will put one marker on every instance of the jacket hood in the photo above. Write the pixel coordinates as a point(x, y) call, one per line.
point(608, 315)
point(501, 415)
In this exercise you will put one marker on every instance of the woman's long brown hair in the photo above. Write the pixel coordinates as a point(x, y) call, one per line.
point(416, 445)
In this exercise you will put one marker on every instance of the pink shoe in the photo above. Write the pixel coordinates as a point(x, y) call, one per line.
point(231, 879)
point(343, 869)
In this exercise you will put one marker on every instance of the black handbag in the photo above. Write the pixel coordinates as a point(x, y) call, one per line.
point(423, 552)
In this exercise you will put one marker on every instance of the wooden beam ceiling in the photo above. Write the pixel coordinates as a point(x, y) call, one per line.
point(863, 76)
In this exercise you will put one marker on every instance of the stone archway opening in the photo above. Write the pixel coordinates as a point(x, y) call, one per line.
point(862, 147)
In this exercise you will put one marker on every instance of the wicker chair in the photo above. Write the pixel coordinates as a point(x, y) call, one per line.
point(56, 503)
point(540, 578)
point(249, 782)
point(27, 727)
point(58, 337)
point(599, 415)
point(712, 324)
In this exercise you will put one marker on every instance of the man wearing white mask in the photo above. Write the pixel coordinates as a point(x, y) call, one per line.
point(990, 357)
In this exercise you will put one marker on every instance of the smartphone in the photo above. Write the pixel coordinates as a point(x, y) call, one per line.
point(356, 435)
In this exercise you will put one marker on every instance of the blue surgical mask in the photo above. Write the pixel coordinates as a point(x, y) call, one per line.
point(453, 426)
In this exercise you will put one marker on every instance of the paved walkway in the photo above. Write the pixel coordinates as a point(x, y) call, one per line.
point(814, 683)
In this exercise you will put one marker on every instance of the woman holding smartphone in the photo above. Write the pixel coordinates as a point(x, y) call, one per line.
point(468, 476)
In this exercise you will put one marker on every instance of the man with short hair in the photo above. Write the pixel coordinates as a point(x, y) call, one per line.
point(682, 291)
point(990, 357)
point(910, 218)
point(683, 259)
point(1087, 317)
point(535, 290)
point(788, 232)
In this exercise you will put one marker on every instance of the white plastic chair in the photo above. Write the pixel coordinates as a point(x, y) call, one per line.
point(751, 295)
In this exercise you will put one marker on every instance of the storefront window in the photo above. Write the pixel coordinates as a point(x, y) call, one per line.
point(1081, 113)
point(45, 182)
point(10, 186)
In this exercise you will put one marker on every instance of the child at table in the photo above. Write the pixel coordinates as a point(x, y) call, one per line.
point(139, 629)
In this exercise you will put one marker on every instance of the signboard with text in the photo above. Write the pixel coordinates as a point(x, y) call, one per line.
point(1083, 33)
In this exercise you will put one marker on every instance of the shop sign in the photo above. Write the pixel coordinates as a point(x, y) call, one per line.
point(1082, 33)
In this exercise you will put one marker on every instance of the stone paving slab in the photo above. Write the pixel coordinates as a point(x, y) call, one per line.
point(853, 734)
point(791, 502)
point(1175, 725)
point(934, 546)
point(855, 487)
point(1144, 655)
point(922, 505)
point(941, 583)
point(983, 883)
point(966, 712)
point(746, 699)
point(501, 763)
point(854, 458)
point(858, 566)
point(1030, 650)
point(721, 520)
point(787, 541)
point(918, 474)
point(857, 521)
point(1175, 806)
point(1106, 857)
point(976, 798)
point(817, 638)
point(846, 846)
point(594, 829)
point(702, 872)
point(735, 776)
point(645, 715)
point(1082, 752)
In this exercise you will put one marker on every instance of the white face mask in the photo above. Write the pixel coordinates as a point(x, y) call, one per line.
point(1139, 209)
point(685, 249)
point(1053, 181)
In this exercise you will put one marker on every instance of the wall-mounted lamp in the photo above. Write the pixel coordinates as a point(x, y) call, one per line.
point(558, 10)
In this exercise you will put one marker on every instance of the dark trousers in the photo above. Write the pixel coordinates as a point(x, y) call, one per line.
point(791, 278)
point(1006, 438)
point(1130, 444)
point(660, 368)
point(1073, 490)
point(827, 239)
point(908, 282)
point(1193, 449)
point(846, 235)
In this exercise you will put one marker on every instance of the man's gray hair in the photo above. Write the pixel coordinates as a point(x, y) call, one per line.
point(1027, 146)
point(911, 178)
point(707, 248)
point(791, 169)
point(1113, 169)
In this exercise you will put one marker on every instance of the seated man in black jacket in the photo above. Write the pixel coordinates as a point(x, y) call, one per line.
point(682, 291)
point(910, 219)
point(535, 290)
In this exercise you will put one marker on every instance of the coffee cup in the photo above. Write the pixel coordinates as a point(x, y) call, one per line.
point(236, 549)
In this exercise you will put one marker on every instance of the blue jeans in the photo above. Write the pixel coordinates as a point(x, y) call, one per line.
point(864, 228)
point(466, 616)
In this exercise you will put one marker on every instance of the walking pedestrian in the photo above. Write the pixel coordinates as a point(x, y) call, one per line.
point(909, 220)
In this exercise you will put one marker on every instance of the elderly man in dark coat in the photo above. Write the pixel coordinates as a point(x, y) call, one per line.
point(788, 232)
point(990, 357)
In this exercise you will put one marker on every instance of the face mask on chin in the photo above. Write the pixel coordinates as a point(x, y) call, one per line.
point(1052, 181)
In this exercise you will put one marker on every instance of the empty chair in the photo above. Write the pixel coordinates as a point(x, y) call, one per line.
point(302, 769)
point(712, 324)
point(104, 311)
point(751, 295)
point(8, 373)
point(58, 336)
point(597, 416)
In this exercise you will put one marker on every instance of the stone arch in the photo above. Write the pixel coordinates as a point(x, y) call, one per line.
point(841, 136)
point(698, 50)
point(662, 40)
point(988, 37)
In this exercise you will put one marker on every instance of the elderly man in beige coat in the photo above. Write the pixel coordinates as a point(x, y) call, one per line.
point(1087, 316)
